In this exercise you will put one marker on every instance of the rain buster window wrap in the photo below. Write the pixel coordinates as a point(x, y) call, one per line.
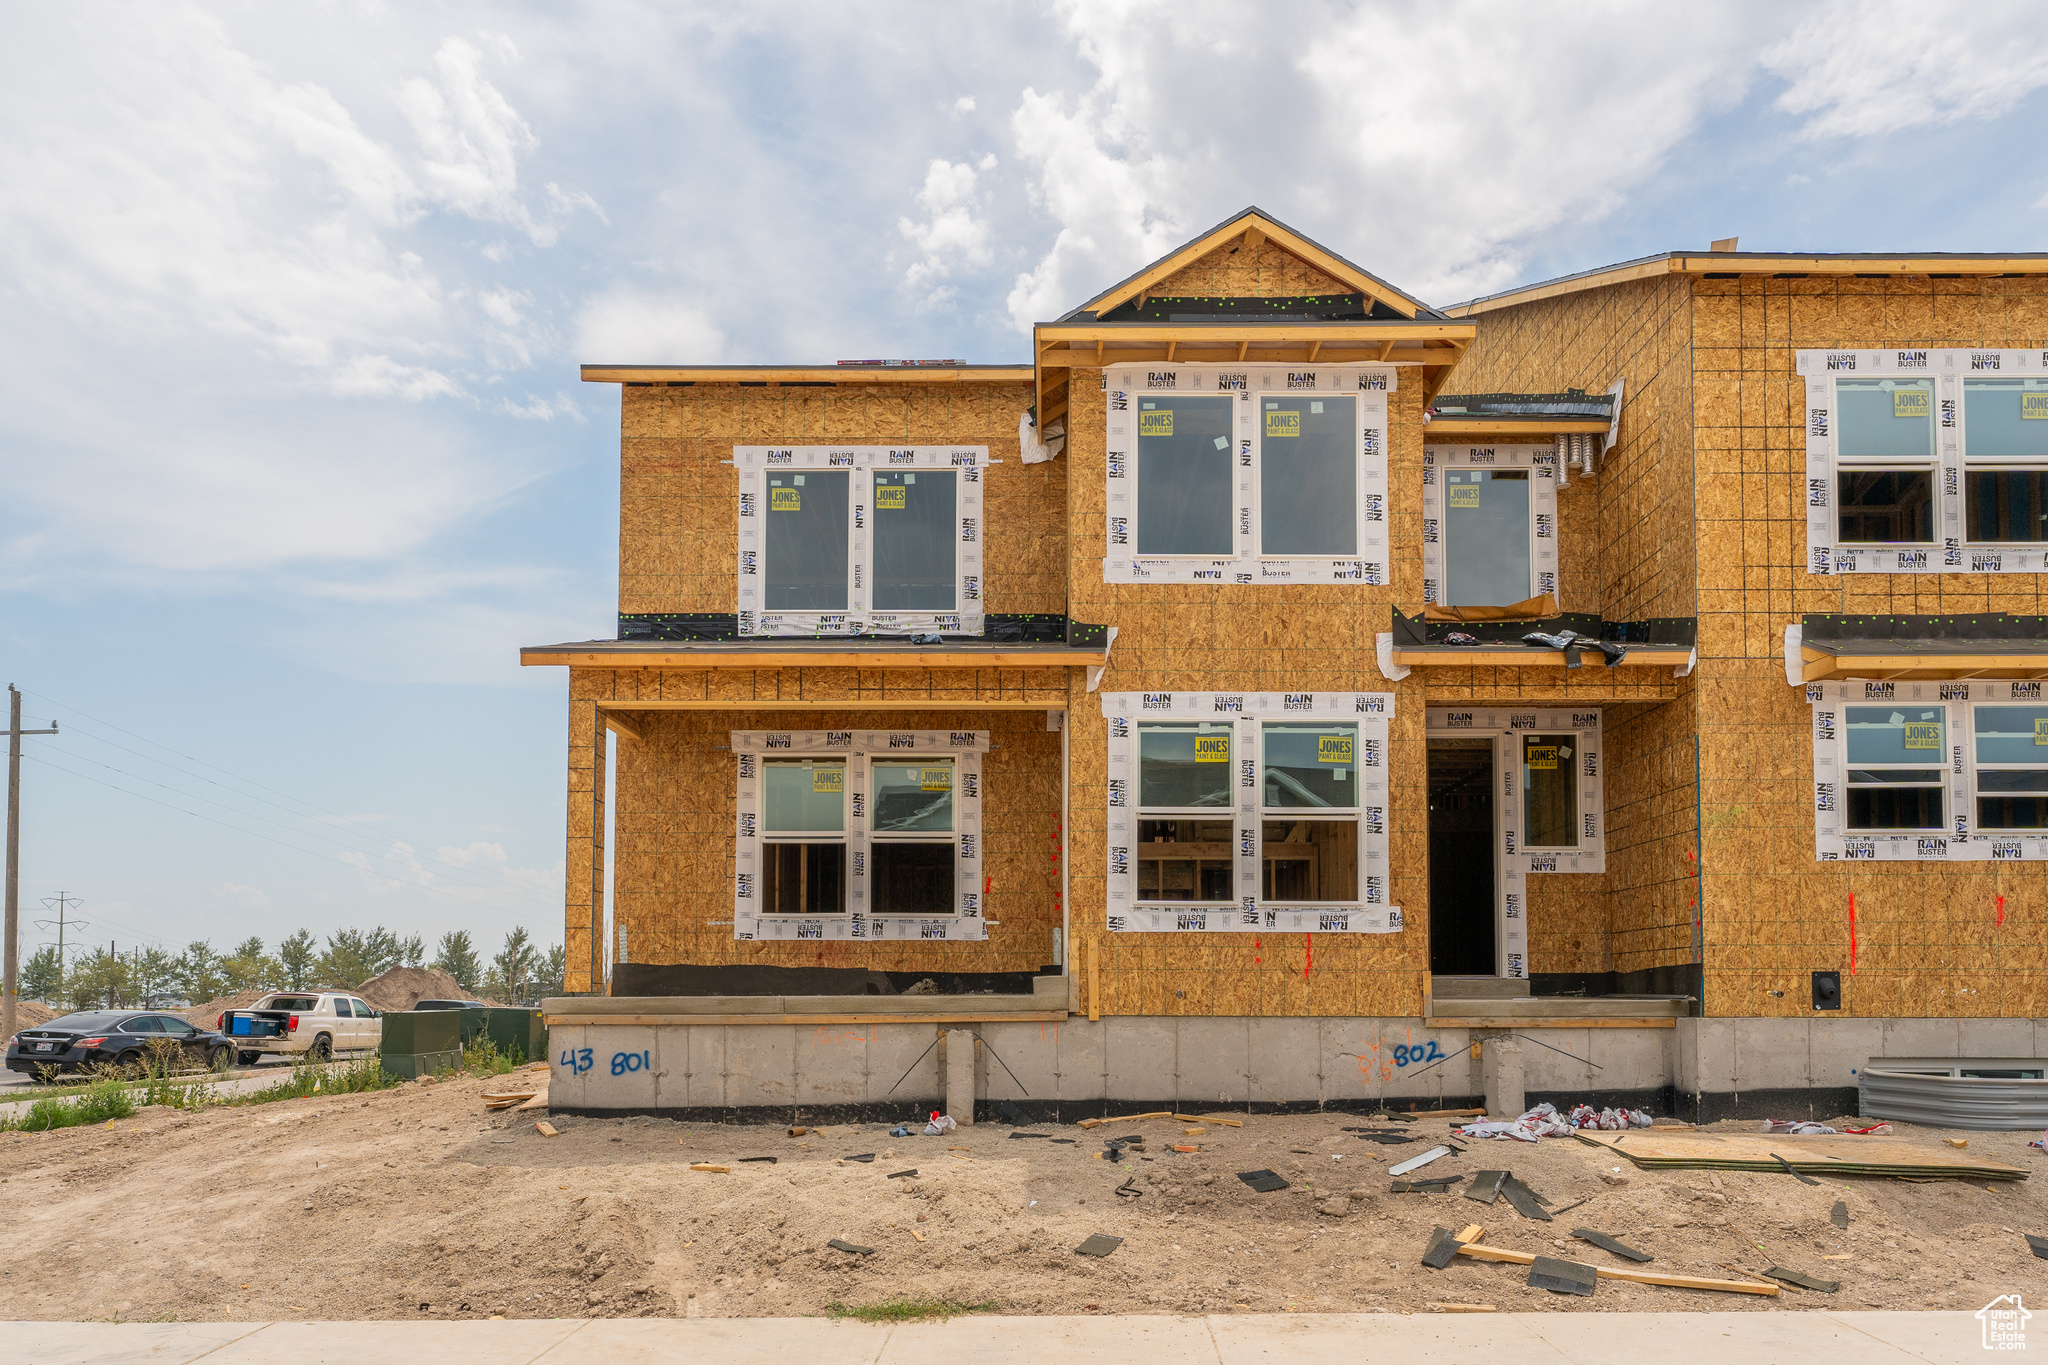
point(1942, 771)
point(1239, 812)
point(860, 540)
point(1925, 461)
point(1246, 474)
point(1489, 524)
point(858, 834)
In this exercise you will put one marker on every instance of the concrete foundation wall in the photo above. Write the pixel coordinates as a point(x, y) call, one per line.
point(1704, 1069)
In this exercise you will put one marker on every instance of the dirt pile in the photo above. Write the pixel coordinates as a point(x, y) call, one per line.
point(403, 987)
point(207, 1016)
point(32, 1013)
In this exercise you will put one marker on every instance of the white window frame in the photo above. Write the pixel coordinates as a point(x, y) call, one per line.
point(1541, 462)
point(1962, 841)
point(1124, 387)
point(1355, 814)
point(753, 464)
point(1246, 712)
point(859, 921)
point(1514, 863)
point(1950, 551)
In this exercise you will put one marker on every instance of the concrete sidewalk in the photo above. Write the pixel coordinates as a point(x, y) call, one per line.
point(1747, 1338)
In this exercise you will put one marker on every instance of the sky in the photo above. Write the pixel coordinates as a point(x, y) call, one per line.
point(294, 455)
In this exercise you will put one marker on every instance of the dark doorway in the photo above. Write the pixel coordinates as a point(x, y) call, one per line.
point(1461, 857)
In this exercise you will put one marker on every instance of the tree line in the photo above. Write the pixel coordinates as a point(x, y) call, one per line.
point(105, 978)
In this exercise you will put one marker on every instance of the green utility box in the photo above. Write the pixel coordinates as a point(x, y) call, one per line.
point(475, 1022)
point(421, 1042)
point(519, 1035)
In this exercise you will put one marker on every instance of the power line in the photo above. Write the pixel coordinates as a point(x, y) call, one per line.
point(322, 810)
point(304, 834)
point(310, 852)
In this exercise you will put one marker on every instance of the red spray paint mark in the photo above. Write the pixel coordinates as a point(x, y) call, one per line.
point(1852, 933)
point(2001, 908)
point(1257, 946)
point(1308, 961)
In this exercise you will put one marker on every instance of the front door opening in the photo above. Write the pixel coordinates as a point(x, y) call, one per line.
point(1461, 839)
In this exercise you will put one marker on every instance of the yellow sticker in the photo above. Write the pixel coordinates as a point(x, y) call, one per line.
point(887, 497)
point(828, 779)
point(2041, 730)
point(937, 780)
point(1923, 734)
point(1464, 495)
point(1540, 756)
point(1212, 748)
point(1156, 423)
point(1911, 402)
point(1283, 424)
point(785, 500)
point(1333, 748)
point(2034, 406)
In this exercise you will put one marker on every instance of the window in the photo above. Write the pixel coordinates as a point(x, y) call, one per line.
point(1228, 475)
point(1897, 758)
point(854, 834)
point(1308, 847)
point(146, 1024)
point(1885, 464)
point(1550, 793)
point(860, 540)
point(1308, 476)
point(1184, 460)
point(2012, 766)
point(363, 1011)
point(804, 829)
point(805, 559)
point(2005, 438)
point(1489, 531)
point(1184, 828)
point(911, 856)
point(175, 1026)
point(341, 1009)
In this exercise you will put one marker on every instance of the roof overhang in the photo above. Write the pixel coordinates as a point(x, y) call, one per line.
point(1772, 264)
point(807, 653)
point(1679, 657)
point(807, 376)
point(1440, 427)
point(1989, 645)
point(1060, 348)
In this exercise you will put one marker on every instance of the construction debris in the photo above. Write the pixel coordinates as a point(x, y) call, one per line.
point(901, 1175)
point(509, 1098)
point(837, 1245)
point(1126, 1118)
point(1486, 1186)
point(1436, 1186)
point(1415, 1162)
point(1562, 1277)
point(1443, 1245)
point(2039, 1244)
point(545, 1129)
point(1098, 1245)
point(1524, 1200)
point(1839, 1215)
point(1828, 1155)
point(1129, 1189)
point(1486, 1253)
point(1265, 1182)
point(769, 1159)
point(868, 1157)
point(710, 1166)
point(798, 1132)
point(1793, 1277)
point(1606, 1243)
point(1435, 1307)
point(1791, 1171)
point(1799, 1126)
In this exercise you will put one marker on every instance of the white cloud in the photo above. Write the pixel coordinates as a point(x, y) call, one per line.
point(243, 897)
point(538, 409)
point(470, 138)
point(952, 233)
point(1880, 66)
point(963, 105)
point(631, 325)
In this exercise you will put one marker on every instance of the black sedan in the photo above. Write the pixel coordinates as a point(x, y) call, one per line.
point(119, 1037)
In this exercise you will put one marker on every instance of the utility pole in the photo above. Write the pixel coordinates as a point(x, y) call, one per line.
point(12, 982)
point(63, 900)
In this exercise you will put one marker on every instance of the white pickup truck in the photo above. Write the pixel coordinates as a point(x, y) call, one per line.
point(287, 1023)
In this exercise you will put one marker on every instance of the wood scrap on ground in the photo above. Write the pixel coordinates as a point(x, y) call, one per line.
point(1896, 1157)
point(1462, 1308)
point(1479, 1252)
point(711, 1167)
point(545, 1129)
point(1125, 1118)
point(1190, 1118)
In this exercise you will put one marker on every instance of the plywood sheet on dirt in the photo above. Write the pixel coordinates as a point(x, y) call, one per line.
point(1814, 1155)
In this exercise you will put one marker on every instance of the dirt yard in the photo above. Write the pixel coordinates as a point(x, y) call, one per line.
point(415, 1202)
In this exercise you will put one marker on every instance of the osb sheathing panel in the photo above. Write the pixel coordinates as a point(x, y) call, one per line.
point(1218, 637)
point(1230, 271)
point(1928, 944)
point(673, 823)
point(1626, 551)
point(679, 499)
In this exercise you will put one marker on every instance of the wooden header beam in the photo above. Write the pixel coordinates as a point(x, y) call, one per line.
point(807, 374)
point(770, 657)
point(1512, 426)
point(1819, 667)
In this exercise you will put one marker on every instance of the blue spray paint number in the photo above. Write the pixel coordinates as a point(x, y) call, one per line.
point(622, 1062)
point(1421, 1052)
point(577, 1060)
